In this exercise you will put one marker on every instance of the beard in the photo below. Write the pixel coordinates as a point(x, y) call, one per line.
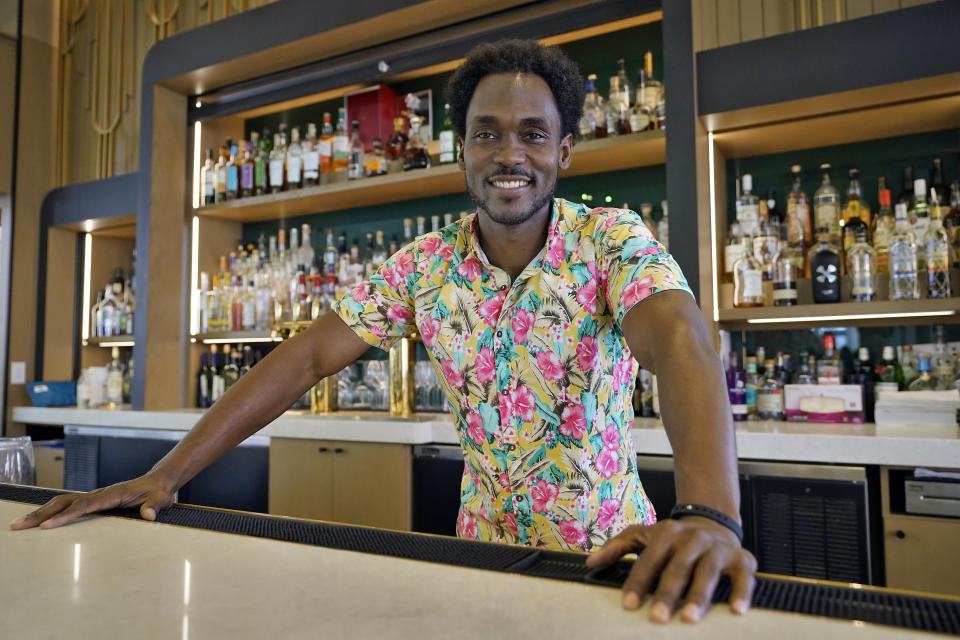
point(512, 219)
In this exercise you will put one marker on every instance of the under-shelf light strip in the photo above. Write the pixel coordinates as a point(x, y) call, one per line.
point(116, 343)
point(196, 165)
point(713, 228)
point(851, 316)
point(195, 301)
point(242, 340)
point(87, 254)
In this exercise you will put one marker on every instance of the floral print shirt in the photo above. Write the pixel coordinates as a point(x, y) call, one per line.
point(537, 371)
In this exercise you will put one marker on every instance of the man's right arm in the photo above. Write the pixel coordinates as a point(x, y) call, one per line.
point(251, 403)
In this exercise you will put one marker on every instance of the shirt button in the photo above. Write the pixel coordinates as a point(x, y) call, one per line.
point(503, 287)
point(499, 334)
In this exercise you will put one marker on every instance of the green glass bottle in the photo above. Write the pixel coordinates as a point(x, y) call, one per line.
point(924, 382)
point(889, 373)
point(448, 139)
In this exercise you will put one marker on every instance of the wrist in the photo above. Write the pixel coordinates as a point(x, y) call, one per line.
point(715, 517)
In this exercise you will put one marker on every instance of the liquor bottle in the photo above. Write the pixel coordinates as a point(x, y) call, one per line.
point(217, 383)
point(663, 225)
point(341, 143)
point(732, 251)
point(277, 164)
point(618, 112)
point(331, 257)
point(856, 215)
point(752, 384)
point(231, 366)
point(863, 374)
point(448, 217)
point(108, 314)
point(889, 373)
point(247, 362)
point(747, 278)
point(220, 173)
point(825, 268)
point(936, 246)
point(375, 161)
point(247, 169)
point(233, 173)
point(761, 355)
point(625, 89)
point(208, 179)
point(941, 364)
point(415, 156)
point(770, 394)
point(951, 222)
point(311, 157)
point(355, 166)
point(936, 177)
point(826, 210)
point(593, 123)
point(434, 223)
point(448, 139)
point(829, 367)
point(806, 374)
point(318, 299)
point(379, 255)
point(785, 281)
point(884, 224)
point(904, 282)
point(909, 365)
point(421, 225)
point(924, 381)
point(306, 253)
point(862, 267)
point(906, 192)
point(642, 116)
point(294, 161)
point(920, 212)
point(654, 87)
point(396, 146)
point(748, 206)
point(766, 243)
point(261, 163)
point(325, 144)
point(114, 395)
point(203, 382)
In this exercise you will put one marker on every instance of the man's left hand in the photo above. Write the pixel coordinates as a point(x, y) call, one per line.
point(693, 551)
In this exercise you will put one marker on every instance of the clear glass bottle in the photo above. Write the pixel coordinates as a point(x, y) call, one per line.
point(448, 139)
point(826, 210)
point(220, 174)
point(909, 363)
point(856, 213)
point(824, 263)
point(748, 206)
point(924, 381)
point(654, 87)
point(806, 374)
point(625, 88)
point(294, 161)
point(208, 180)
point(904, 281)
point(884, 224)
point(732, 251)
point(798, 229)
point(277, 163)
point(951, 222)
point(618, 109)
point(747, 278)
point(311, 157)
point(593, 123)
point(862, 267)
point(341, 143)
point(829, 367)
point(770, 394)
point(785, 281)
point(936, 246)
point(325, 144)
point(355, 169)
point(114, 393)
point(766, 243)
point(415, 156)
point(920, 213)
point(375, 161)
point(306, 253)
point(642, 116)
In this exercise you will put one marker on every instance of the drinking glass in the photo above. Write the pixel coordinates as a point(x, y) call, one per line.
point(17, 464)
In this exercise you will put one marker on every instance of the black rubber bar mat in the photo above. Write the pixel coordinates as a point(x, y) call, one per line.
point(911, 612)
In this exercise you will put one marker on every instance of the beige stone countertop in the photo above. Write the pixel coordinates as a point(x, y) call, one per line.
point(929, 446)
point(106, 577)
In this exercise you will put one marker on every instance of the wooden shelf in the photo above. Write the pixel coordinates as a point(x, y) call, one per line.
point(872, 314)
point(594, 156)
point(898, 109)
point(110, 341)
point(220, 337)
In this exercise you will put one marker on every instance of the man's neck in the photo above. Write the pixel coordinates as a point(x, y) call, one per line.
point(513, 247)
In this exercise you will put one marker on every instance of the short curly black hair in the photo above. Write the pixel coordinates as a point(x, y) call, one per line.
point(560, 73)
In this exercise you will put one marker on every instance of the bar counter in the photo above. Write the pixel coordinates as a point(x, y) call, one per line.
point(919, 445)
point(109, 576)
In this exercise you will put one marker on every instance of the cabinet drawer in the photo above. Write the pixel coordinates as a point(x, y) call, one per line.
point(922, 553)
point(301, 478)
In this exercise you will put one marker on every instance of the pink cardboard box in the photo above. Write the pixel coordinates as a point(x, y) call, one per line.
point(824, 403)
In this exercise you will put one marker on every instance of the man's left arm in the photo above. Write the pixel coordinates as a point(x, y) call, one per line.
point(668, 336)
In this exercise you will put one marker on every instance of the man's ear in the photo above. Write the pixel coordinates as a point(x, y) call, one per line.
point(463, 167)
point(566, 151)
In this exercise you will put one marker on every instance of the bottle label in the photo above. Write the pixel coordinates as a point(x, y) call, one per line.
point(739, 409)
point(232, 178)
point(798, 222)
point(639, 121)
point(887, 387)
point(115, 386)
point(785, 294)
point(311, 164)
point(733, 253)
point(765, 248)
point(446, 146)
point(294, 168)
point(341, 147)
point(259, 174)
point(355, 168)
point(751, 396)
point(752, 283)
point(826, 215)
point(770, 401)
point(748, 216)
point(325, 149)
point(276, 173)
point(208, 185)
point(246, 176)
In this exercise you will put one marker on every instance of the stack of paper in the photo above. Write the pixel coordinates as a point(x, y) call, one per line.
point(934, 408)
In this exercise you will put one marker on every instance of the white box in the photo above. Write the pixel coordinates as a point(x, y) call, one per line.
point(824, 403)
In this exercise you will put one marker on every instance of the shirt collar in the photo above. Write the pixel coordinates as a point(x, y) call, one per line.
point(558, 211)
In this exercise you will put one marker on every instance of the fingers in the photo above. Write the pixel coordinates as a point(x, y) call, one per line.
point(677, 573)
point(154, 504)
point(647, 567)
point(630, 540)
point(83, 504)
point(34, 518)
point(706, 575)
point(743, 582)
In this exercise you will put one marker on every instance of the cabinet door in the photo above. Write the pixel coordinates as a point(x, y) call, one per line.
point(922, 553)
point(372, 485)
point(301, 478)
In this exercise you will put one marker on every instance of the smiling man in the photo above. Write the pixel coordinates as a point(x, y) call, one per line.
point(536, 312)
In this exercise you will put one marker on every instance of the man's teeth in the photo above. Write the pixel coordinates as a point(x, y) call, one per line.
point(510, 184)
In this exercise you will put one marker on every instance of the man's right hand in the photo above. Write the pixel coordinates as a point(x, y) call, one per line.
point(150, 492)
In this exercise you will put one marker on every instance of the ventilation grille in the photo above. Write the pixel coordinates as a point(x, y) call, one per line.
point(912, 612)
point(81, 462)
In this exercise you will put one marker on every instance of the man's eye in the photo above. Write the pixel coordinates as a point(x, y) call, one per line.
point(536, 135)
point(487, 135)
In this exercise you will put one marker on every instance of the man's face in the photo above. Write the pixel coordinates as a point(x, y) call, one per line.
point(514, 147)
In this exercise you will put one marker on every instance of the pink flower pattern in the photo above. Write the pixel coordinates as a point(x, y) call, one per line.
point(530, 368)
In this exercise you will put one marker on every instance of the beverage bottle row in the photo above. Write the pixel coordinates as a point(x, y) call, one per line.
point(219, 370)
point(109, 385)
point(624, 111)
point(271, 164)
point(915, 242)
point(756, 390)
point(112, 314)
point(259, 287)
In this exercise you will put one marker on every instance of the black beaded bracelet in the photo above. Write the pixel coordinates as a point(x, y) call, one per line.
point(684, 510)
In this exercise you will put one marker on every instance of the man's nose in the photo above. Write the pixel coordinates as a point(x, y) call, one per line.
point(510, 152)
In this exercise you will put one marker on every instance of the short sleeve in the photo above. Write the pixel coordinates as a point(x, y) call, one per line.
point(381, 309)
point(633, 265)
